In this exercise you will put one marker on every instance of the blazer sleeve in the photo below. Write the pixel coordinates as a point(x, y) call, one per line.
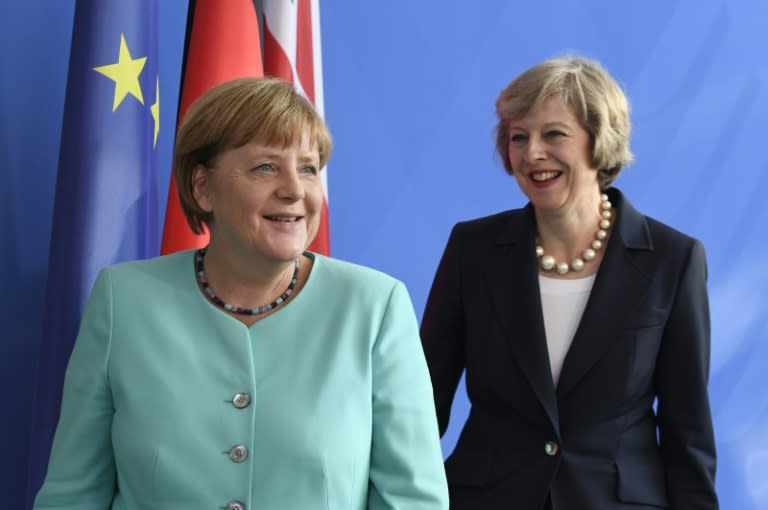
point(442, 330)
point(81, 470)
point(686, 437)
point(406, 468)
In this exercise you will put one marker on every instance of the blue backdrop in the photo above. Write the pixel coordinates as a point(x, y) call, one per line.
point(409, 93)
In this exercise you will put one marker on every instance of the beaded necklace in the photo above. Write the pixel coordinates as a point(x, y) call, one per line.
point(549, 263)
point(216, 300)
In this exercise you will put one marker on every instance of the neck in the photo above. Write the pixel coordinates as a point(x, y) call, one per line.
point(562, 236)
point(566, 231)
point(244, 279)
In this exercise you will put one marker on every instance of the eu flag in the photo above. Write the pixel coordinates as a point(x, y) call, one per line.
point(105, 208)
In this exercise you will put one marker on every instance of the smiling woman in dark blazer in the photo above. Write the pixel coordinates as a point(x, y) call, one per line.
point(571, 317)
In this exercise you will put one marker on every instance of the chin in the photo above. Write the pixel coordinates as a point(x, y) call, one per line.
point(281, 253)
point(546, 203)
point(291, 254)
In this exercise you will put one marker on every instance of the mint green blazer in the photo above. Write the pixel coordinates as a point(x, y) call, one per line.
point(169, 403)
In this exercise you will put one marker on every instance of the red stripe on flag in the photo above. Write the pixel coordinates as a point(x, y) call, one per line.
point(276, 61)
point(322, 242)
point(223, 44)
point(305, 65)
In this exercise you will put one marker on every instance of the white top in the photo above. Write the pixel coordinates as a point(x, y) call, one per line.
point(562, 303)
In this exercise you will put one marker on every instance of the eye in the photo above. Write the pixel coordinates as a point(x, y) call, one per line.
point(517, 137)
point(309, 170)
point(264, 167)
point(555, 133)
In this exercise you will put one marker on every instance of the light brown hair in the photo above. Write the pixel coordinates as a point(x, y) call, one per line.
point(233, 114)
point(595, 98)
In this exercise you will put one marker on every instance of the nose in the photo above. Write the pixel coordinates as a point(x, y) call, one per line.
point(536, 150)
point(291, 186)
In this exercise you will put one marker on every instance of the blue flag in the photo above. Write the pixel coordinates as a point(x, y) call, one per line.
point(106, 201)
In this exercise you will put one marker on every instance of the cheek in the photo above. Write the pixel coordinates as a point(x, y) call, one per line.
point(519, 179)
point(516, 159)
point(314, 196)
point(512, 155)
point(238, 205)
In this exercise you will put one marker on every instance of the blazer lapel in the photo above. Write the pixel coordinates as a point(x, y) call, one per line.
point(515, 296)
point(620, 284)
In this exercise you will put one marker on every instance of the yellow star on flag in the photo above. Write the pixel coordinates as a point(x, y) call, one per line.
point(155, 110)
point(125, 73)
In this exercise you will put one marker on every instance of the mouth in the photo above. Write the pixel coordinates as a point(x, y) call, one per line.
point(545, 176)
point(284, 219)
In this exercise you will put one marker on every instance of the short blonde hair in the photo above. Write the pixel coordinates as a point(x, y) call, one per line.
point(233, 114)
point(593, 95)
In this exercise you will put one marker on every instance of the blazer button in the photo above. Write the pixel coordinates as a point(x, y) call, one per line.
point(236, 505)
point(241, 400)
point(551, 448)
point(238, 453)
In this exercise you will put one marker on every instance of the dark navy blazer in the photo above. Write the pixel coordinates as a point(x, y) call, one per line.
point(595, 441)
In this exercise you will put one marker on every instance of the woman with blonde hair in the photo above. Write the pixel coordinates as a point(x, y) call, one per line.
point(251, 374)
point(571, 316)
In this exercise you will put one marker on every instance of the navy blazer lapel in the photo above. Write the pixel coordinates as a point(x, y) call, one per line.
point(620, 283)
point(515, 296)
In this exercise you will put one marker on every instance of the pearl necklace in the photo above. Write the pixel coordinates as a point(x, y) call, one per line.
point(548, 262)
point(216, 300)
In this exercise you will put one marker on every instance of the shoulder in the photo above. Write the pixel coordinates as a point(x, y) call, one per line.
point(666, 235)
point(357, 286)
point(666, 245)
point(642, 231)
point(150, 272)
point(491, 225)
point(677, 249)
point(347, 274)
point(477, 238)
